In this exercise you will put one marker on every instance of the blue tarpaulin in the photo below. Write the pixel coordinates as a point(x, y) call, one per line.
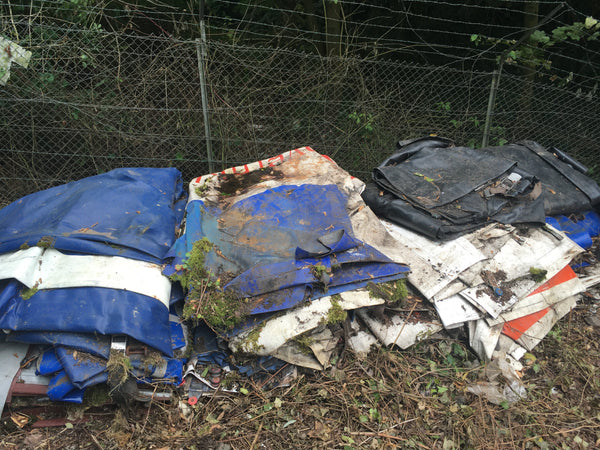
point(270, 243)
point(129, 212)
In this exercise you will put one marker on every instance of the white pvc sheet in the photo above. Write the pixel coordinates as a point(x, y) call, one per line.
point(483, 338)
point(42, 268)
point(534, 334)
point(360, 340)
point(454, 311)
point(537, 248)
point(439, 263)
point(272, 334)
point(11, 355)
point(543, 299)
point(398, 331)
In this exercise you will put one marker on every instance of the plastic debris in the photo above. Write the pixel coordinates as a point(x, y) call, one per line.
point(11, 53)
point(263, 281)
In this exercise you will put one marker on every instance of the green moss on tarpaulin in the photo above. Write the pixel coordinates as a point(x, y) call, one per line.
point(46, 242)
point(336, 313)
point(304, 341)
point(392, 291)
point(251, 341)
point(206, 299)
point(538, 275)
point(26, 294)
point(118, 367)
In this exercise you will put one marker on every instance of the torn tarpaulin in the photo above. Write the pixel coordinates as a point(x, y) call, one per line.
point(442, 191)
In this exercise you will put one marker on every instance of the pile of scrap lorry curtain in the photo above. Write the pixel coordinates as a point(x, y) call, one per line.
point(249, 276)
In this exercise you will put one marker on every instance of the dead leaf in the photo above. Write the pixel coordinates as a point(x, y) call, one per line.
point(19, 419)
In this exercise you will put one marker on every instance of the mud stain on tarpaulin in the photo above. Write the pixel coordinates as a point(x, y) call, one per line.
point(247, 228)
point(231, 184)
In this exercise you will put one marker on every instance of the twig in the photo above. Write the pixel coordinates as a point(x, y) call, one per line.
point(257, 434)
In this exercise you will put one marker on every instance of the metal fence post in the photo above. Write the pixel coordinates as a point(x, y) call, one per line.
point(490, 107)
point(201, 56)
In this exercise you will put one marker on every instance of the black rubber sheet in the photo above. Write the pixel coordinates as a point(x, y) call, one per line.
point(435, 188)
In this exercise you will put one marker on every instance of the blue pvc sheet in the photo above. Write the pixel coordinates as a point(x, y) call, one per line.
point(87, 310)
point(82, 369)
point(60, 388)
point(96, 345)
point(581, 230)
point(129, 212)
point(271, 241)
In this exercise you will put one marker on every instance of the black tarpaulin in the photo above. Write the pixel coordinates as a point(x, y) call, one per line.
point(442, 191)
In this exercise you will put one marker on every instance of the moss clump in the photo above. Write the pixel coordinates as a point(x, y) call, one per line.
point(251, 341)
point(336, 313)
point(201, 190)
point(231, 380)
point(97, 395)
point(321, 273)
point(46, 242)
point(394, 292)
point(26, 294)
point(304, 341)
point(206, 299)
point(24, 246)
point(538, 275)
point(152, 361)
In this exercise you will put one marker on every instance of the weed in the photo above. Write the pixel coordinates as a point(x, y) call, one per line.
point(24, 246)
point(206, 299)
point(26, 294)
point(304, 341)
point(321, 273)
point(118, 367)
point(151, 361)
point(394, 292)
point(251, 341)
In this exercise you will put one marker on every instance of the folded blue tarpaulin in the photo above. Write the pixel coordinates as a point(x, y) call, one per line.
point(271, 242)
point(86, 310)
point(130, 212)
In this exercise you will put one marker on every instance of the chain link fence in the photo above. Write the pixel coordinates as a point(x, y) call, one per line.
point(93, 100)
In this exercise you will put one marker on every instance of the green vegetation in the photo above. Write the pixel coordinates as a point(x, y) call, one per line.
point(394, 292)
point(26, 294)
point(251, 341)
point(206, 299)
point(304, 341)
point(118, 367)
point(46, 242)
point(336, 313)
point(538, 275)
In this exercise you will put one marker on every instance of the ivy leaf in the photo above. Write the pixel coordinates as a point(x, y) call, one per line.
point(540, 37)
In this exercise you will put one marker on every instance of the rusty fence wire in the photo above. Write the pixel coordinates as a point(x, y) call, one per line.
point(92, 100)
